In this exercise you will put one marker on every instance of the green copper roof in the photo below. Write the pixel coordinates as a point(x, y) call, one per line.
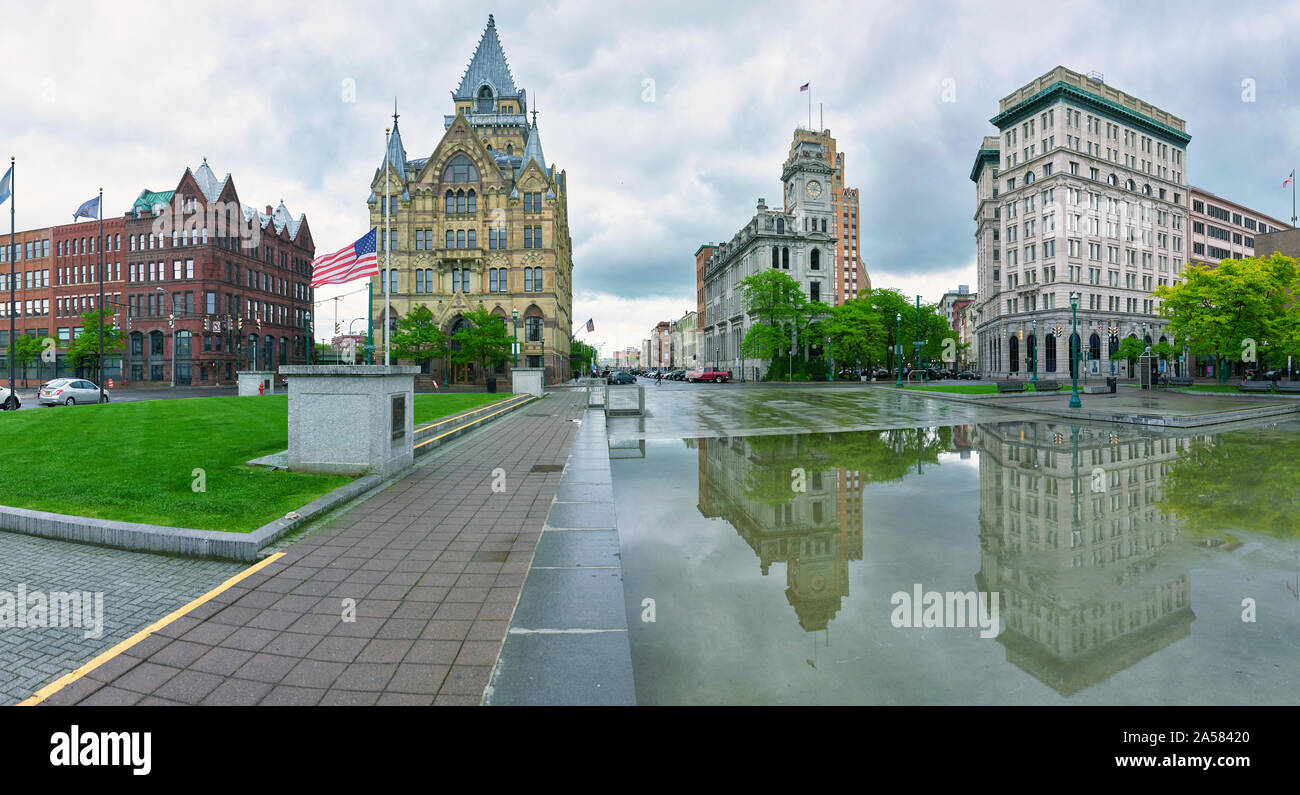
point(984, 156)
point(1116, 111)
point(149, 198)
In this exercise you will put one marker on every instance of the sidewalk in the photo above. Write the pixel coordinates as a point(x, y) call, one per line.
point(434, 564)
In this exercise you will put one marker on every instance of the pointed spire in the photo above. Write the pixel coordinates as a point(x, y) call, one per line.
point(488, 67)
point(396, 152)
point(533, 149)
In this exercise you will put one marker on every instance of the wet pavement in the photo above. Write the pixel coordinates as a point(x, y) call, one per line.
point(1131, 565)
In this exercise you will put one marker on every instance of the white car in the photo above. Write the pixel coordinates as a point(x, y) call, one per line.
point(8, 400)
point(69, 392)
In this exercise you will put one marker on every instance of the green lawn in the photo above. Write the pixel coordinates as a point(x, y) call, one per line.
point(431, 407)
point(136, 462)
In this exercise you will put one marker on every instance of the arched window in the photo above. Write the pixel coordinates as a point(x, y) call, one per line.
point(1013, 354)
point(460, 238)
point(785, 259)
point(1094, 347)
point(419, 282)
point(451, 239)
point(776, 257)
point(528, 280)
point(1130, 185)
point(471, 201)
point(816, 260)
point(823, 224)
point(460, 169)
point(537, 280)
point(485, 100)
point(1147, 189)
point(780, 226)
point(1029, 178)
point(473, 238)
point(460, 201)
point(1113, 180)
point(451, 201)
point(1049, 349)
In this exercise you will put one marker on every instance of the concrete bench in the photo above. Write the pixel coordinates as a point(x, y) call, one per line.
point(1048, 386)
point(1288, 387)
point(1010, 386)
point(1096, 389)
point(1256, 386)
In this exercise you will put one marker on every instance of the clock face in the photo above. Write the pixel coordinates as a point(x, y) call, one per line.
point(814, 189)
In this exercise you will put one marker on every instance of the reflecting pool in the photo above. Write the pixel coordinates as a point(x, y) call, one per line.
point(1124, 563)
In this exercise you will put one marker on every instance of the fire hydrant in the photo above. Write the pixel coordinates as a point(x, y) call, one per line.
point(261, 388)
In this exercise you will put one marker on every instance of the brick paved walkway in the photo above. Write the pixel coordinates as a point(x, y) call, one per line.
point(435, 564)
point(138, 588)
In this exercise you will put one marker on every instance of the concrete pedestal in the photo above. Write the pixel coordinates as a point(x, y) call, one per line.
point(350, 419)
point(528, 380)
point(249, 379)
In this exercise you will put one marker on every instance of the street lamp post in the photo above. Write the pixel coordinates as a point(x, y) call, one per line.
point(1077, 354)
point(171, 322)
point(1033, 352)
point(514, 313)
point(898, 350)
point(830, 358)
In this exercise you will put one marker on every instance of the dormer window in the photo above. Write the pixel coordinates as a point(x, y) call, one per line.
point(485, 100)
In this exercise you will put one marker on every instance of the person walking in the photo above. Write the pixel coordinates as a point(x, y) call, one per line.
point(659, 377)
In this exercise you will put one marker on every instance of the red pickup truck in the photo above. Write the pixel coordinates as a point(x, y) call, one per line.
point(709, 374)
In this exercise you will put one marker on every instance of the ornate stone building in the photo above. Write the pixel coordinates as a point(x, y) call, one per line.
point(482, 222)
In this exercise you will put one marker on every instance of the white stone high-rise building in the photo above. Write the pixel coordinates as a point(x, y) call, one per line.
point(1082, 191)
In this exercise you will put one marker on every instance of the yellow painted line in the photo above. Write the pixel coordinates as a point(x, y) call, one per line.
point(74, 675)
point(509, 400)
point(475, 422)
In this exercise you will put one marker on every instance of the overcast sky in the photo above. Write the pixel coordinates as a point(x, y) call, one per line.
point(125, 96)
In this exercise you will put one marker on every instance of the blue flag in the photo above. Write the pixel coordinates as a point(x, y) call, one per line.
point(88, 210)
point(5, 185)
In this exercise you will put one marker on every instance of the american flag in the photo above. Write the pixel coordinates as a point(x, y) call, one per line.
point(804, 87)
point(1289, 179)
point(590, 325)
point(346, 264)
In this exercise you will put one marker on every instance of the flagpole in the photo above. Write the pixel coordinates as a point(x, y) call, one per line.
point(13, 276)
point(809, 106)
point(1293, 197)
point(100, 246)
point(388, 254)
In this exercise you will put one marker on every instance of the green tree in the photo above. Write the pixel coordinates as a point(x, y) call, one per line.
point(931, 328)
point(1234, 308)
point(1130, 348)
point(418, 337)
point(24, 350)
point(483, 342)
point(83, 350)
point(776, 301)
point(581, 356)
point(857, 332)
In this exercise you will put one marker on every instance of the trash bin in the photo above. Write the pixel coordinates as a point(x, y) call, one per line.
point(491, 385)
point(1111, 382)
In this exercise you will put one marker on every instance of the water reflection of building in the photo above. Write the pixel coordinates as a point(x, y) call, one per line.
point(815, 532)
point(1091, 576)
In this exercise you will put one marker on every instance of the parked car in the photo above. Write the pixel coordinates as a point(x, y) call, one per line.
point(881, 372)
point(69, 392)
point(621, 378)
point(8, 400)
point(968, 375)
point(709, 374)
point(1275, 375)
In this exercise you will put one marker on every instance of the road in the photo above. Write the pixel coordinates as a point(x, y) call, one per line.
point(28, 396)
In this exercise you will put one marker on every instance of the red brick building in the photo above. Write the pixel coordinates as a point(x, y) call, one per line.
point(203, 285)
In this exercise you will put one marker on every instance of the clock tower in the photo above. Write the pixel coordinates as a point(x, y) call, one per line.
point(807, 176)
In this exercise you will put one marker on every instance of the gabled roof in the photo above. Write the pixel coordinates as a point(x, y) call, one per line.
point(208, 182)
point(487, 66)
point(148, 199)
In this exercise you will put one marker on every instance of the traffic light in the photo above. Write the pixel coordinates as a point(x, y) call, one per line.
point(171, 320)
point(207, 323)
point(240, 324)
point(128, 322)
